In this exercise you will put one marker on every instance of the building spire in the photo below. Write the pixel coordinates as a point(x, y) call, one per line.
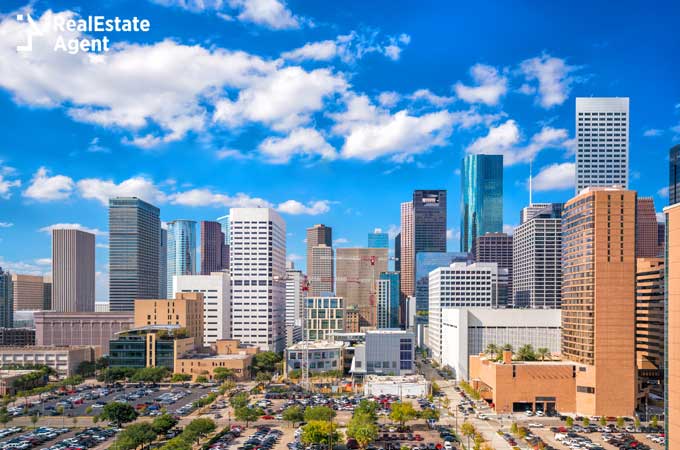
point(530, 186)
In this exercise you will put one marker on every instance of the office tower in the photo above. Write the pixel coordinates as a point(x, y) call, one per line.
point(661, 237)
point(47, 292)
point(537, 261)
point(528, 212)
point(134, 251)
point(481, 204)
point(72, 271)
point(598, 288)
point(407, 253)
point(324, 316)
point(258, 290)
point(429, 220)
point(602, 138)
point(672, 330)
point(378, 239)
point(295, 294)
point(184, 310)
point(29, 292)
point(496, 247)
point(212, 247)
point(224, 226)
point(649, 319)
point(357, 271)
point(388, 300)
point(216, 291)
point(646, 229)
point(322, 267)
point(674, 175)
point(397, 252)
point(6, 300)
point(462, 286)
point(163, 262)
point(181, 250)
point(426, 262)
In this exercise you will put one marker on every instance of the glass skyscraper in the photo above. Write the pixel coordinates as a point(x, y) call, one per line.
point(6, 300)
point(426, 262)
point(388, 300)
point(378, 239)
point(134, 251)
point(181, 250)
point(674, 176)
point(481, 204)
point(429, 221)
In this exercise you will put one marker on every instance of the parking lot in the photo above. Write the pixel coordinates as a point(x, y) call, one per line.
point(16, 438)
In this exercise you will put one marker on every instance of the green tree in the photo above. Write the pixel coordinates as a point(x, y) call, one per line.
point(492, 350)
point(570, 421)
point(514, 429)
point(366, 407)
point(247, 414)
point(86, 369)
point(603, 421)
point(468, 430)
point(429, 414)
point(223, 374)
point(586, 422)
point(323, 413)
point(402, 413)
point(34, 419)
point(265, 362)
point(198, 428)
point(542, 353)
point(319, 432)
point(163, 423)
point(637, 423)
point(526, 353)
point(102, 363)
point(177, 443)
point(263, 377)
point(227, 386)
point(134, 435)
point(239, 400)
point(118, 413)
point(180, 377)
point(620, 422)
point(201, 379)
point(151, 374)
point(293, 414)
point(362, 428)
point(654, 422)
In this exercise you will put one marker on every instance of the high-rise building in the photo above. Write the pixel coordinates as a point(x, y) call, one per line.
point(216, 291)
point(672, 330)
point(674, 175)
point(598, 288)
point(646, 229)
point(602, 142)
point(72, 270)
point(649, 318)
point(481, 204)
point(319, 276)
point(358, 269)
point(407, 253)
point(388, 300)
point(324, 316)
point(163, 262)
point(661, 237)
point(429, 220)
point(212, 247)
point(378, 239)
point(181, 250)
point(6, 300)
point(134, 251)
point(184, 310)
point(295, 294)
point(496, 247)
point(426, 262)
point(537, 261)
point(397, 252)
point(47, 292)
point(224, 226)
point(258, 290)
point(528, 212)
point(29, 292)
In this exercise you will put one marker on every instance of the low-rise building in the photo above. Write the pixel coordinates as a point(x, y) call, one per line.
point(64, 360)
point(17, 337)
point(8, 379)
point(322, 356)
point(130, 348)
point(408, 386)
point(225, 353)
point(385, 352)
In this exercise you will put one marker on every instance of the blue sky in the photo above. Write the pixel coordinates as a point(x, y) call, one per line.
point(330, 112)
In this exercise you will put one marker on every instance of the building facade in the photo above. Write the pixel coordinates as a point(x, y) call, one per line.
point(358, 269)
point(212, 247)
point(529, 212)
point(296, 283)
point(481, 204)
point(385, 352)
point(602, 142)
point(429, 220)
point(324, 316)
point(134, 252)
point(426, 262)
point(163, 262)
point(322, 356)
point(407, 254)
point(149, 346)
point(64, 360)
point(674, 175)
point(319, 269)
point(388, 300)
point(72, 270)
point(649, 318)
point(181, 250)
point(17, 337)
point(6, 299)
point(672, 327)
point(258, 271)
point(29, 292)
point(496, 247)
point(378, 239)
point(646, 229)
point(184, 310)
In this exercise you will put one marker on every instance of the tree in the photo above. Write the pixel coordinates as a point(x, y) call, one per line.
point(429, 414)
point(293, 414)
point(102, 363)
point(468, 430)
point(492, 350)
point(223, 374)
point(323, 413)
point(319, 432)
point(5, 418)
point(263, 377)
point(513, 428)
point(180, 377)
point(526, 353)
point(177, 443)
point(265, 362)
point(402, 413)
point(151, 374)
point(201, 379)
point(620, 422)
point(134, 435)
point(239, 400)
point(586, 422)
point(111, 374)
point(118, 413)
point(86, 369)
point(247, 414)
point(163, 423)
point(369, 408)
point(654, 422)
point(363, 429)
point(226, 387)
point(198, 428)
point(570, 421)
point(637, 423)
point(543, 353)
point(603, 421)
point(34, 419)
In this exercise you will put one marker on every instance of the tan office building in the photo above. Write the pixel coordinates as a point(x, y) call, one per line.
point(672, 264)
point(320, 261)
point(358, 270)
point(185, 310)
point(408, 256)
point(28, 292)
point(80, 328)
point(226, 353)
point(649, 317)
point(72, 270)
point(598, 299)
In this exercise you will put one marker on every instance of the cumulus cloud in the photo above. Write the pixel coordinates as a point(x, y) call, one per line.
point(554, 77)
point(47, 188)
point(509, 229)
point(340, 241)
point(490, 86)
point(430, 97)
point(206, 197)
point(6, 224)
point(663, 192)
point(7, 184)
point(302, 141)
point(393, 230)
point(71, 226)
point(653, 132)
point(102, 190)
point(295, 207)
point(229, 153)
point(555, 177)
point(389, 99)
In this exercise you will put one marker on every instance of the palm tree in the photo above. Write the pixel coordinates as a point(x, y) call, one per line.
point(542, 353)
point(492, 350)
point(507, 348)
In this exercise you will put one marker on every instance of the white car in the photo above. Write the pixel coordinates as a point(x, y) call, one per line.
point(540, 414)
point(535, 425)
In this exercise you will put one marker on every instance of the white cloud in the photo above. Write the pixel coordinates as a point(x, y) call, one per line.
point(661, 217)
point(46, 188)
point(26, 268)
point(228, 153)
point(554, 78)
point(301, 141)
point(653, 132)
point(388, 99)
point(428, 96)
point(103, 190)
point(6, 185)
point(44, 261)
point(316, 51)
point(312, 208)
point(509, 229)
point(452, 234)
point(294, 257)
point(393, 231)
point(101, 245)
point(555, 177)
point(490, 86)
point(101, 286)
point(6, 224)
point(504, 139)
point(663, 192)
point(205, 197)
point(72, 226)
point(341, 240)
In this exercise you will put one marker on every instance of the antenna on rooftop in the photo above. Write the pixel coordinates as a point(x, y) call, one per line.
point(530, 186)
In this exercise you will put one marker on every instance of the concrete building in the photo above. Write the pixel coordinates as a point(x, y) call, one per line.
point(319, 266)
point(672, 331)
point(134, 251)
point(163, 262)
point(101, 307)
point(602, 142)
point(64, 360)
point(6, 299)
point(459, 286)
point(72, 270)
point(429, 220)
point(674, 175)
point(378, 239)
point(646, 229)
point(150, 346)
point(296, 283)
point(185, 310)
point(649, 319)
point(29, 292)
point(47, 291)
point(80, 328)
point(407, 252)
point(388, 300)
point(181, 250)
point(216, 290)
point(24, 319)
point(385, 352)
point(227, 354)
point(352, 320)
point(468, 331)
point(258, 272)
point(537, 260)
point(212, 247)
point(598, 311)
point(322, 356)
point(17, 337)
point(405, 386)
point(481, 204)
point(426, 262)
point(551, 209)
point(496, 248)
point(324, 316)
point(358, 270)
point(8, 380)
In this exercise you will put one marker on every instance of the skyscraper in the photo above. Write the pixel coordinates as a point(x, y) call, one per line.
point(212, 247)
point(407, 255)
point(216, 291)
point(397, 252)
point(649, 318)
point(6, 299)
point(378, 239)
point(598, 292)
point(258, 291)
point(181, 250)
point(674, 175)
point(358, 269)
point(29, 292)
point(388, 300)
point(72, 270)
point(672, 323)
point(426, 262)
point(163, 262)
point(481, 205)
point(295, 282)
point(323, 268)
point(429, 220)
point(646, 229)
point(602, 137)
point(496, 247)
point(528, 212)
point(134, 251)
point(224, 224)
point(317, 235)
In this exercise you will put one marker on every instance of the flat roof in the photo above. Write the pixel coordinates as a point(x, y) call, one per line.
point(231, 357)
point(396, 379)
point(316, 345)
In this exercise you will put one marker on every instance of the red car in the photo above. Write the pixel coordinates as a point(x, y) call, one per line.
point(417, 437)
point(268, 417)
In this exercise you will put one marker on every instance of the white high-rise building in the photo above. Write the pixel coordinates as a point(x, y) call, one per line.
point(602, 136)
point(295, 281)
point(216, 292)
point(461, 286)
point(257, 249)
point(322, 269)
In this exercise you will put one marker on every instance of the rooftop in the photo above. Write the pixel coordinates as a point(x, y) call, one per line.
point(316, 345)
point(395, 379)
point(231, 357)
